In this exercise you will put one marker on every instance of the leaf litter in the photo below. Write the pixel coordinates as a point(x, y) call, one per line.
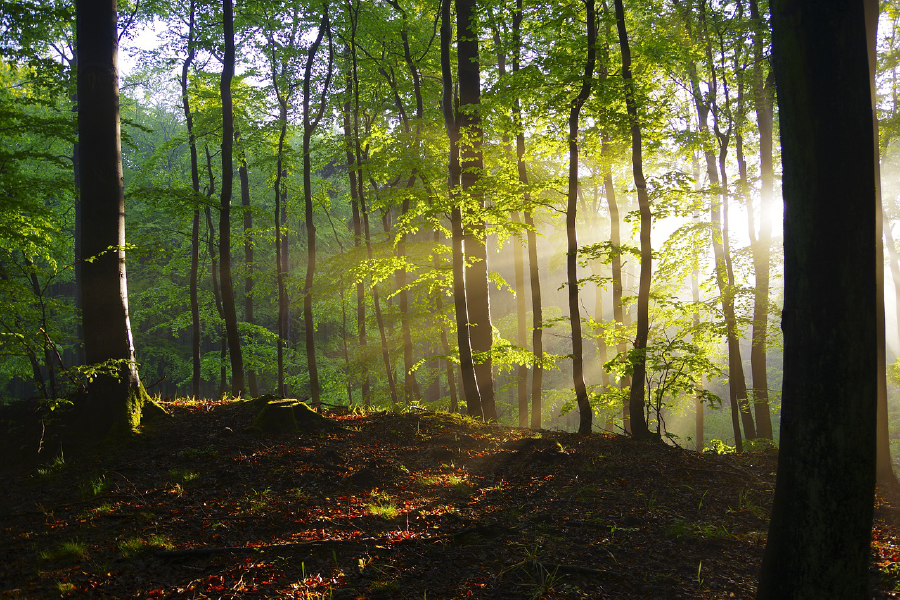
point(425, 505)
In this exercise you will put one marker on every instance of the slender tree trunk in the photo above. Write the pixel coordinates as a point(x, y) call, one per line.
point(411, 386)
point(351, 135)
point(114, 401)
point(214, 271)
point(533, 270)
point(445, 343)
point(228, 305)
point(763, 102)
point(636, 401)
point(309, 126)
point(248, 254)
point(468, 378)
point(703, 109)
point(584, 405)
point(521, 327)
point(819, 534)
point(615, 240)
point(281, 249)
point(195, 223)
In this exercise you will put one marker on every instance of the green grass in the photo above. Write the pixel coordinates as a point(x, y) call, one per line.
point(70, 551)
point(183, 475)
point(131, 547)
point(94, 486)
point(382, 505)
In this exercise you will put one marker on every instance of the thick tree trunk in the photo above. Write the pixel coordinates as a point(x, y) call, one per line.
point(228, 304)
point(584, 405)
point(884, 470)
point(468, 122)
point(636, 400)
point(466, 365)
point(819, 534)
point(114, 401)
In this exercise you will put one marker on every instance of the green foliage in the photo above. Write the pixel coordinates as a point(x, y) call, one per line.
point(68, 551)
point(134, 546)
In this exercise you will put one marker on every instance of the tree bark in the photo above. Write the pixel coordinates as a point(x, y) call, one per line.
point(639, 428)
point(114, 400)
point(228, 304)
point(819, 534)
point(309, 126)
point(195, 223)
point(468, 377)
point(244, 177)
point(537, 342)
point(763, 101)
point(884, 471)
point(584, 406)
point(468, 120)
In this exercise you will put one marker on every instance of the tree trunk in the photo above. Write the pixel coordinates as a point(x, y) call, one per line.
point(819, 534)
point(114, 400)
point(468, 122)
point(248, 254)
point(533, 270)
point(615, 240)
point(884, 471)
point(584, 405)
point(228, 305)
point(281, 249)
point(309, 126)
point(351, 134)
point(636, 401)
point(466, 365)
point(195, 223)
point(761, 247)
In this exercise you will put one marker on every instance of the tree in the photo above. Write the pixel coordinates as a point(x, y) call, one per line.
point(115, 397)
point(310, 122)
point(584, 406)
point(228, 303)
point(636, 395)
point(470, 383)
point(469, 125)
point(818, 543)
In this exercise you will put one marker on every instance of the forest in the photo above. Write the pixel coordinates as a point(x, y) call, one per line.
point(478, 216)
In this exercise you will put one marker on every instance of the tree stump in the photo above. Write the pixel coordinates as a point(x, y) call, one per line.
point(289, 416)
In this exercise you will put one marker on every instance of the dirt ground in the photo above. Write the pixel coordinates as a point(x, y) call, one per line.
point(420, 505)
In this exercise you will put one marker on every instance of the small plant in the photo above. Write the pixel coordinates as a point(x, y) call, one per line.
point(183, 475)
point(257, 501)
point(131, 547)
point(94, 486)
point(65, 588)
point(382, 505)
point(71, 551)
point(103, 509)
point(718, 447)
point(53, 466)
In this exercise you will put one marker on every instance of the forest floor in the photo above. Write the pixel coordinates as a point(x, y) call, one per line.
point(425, 505)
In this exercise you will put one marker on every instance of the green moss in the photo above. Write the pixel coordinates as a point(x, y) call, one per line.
point(289, 416)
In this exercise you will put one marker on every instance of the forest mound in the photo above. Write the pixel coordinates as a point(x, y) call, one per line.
point(382, 505)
